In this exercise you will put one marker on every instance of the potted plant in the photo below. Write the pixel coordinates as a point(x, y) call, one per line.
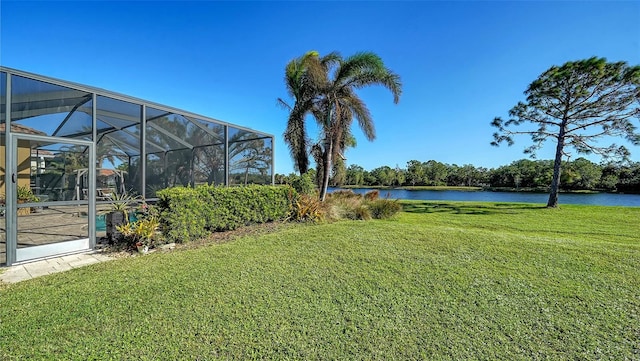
point(141, 234)
point(25, 195)
point(118, 215)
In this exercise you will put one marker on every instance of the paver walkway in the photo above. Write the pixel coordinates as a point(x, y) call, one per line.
point(48, 266)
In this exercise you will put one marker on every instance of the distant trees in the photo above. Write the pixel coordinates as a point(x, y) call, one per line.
point(384, 175)
point(355, 175)
point(628, 178)
point(581, 174)
point(523, 174)
point(575, 105)
point(435, 173)
point(415, 172)
point(466, 175)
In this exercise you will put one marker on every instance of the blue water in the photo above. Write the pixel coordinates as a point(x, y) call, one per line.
point(101, 221)
point(600, 199)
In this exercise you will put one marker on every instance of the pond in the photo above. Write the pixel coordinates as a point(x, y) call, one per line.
point(600, 199)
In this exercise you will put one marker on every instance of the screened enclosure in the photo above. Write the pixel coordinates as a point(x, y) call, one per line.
point(68, 151)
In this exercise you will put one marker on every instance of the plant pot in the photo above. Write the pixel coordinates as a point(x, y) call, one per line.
point(23, 211)
point(142, 248)
point(113, 220)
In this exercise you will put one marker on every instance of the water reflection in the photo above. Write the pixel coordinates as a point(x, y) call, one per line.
point(600, 199)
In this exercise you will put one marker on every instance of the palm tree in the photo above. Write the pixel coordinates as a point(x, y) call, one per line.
point(107, 150)
point(303, 78)
point(325, 87)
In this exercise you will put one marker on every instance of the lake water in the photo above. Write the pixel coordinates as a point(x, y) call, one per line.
point(600, 199)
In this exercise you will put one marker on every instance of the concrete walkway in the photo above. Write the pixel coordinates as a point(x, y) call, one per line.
point(31, 270)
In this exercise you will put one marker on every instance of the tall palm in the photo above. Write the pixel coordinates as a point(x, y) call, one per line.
point(339, 104)
point(325, 87)
point(304, 77)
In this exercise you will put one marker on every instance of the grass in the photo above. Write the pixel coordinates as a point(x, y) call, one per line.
point(445, 281)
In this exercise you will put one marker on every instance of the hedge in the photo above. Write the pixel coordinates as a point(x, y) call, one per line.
point(188, 214)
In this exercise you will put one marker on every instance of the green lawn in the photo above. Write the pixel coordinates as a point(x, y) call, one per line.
point(441, 281)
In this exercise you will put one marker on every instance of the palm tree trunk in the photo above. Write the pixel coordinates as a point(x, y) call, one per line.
point(328, 150)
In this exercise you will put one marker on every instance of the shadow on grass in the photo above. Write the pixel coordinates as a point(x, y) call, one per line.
point(467, 208)
point(553, 230)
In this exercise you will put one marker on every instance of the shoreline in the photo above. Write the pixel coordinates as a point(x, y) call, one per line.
point(479, 189)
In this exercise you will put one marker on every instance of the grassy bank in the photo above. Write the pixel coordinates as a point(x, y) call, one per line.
point(440, 281)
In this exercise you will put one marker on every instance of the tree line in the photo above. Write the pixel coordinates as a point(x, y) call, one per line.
point(524, 174)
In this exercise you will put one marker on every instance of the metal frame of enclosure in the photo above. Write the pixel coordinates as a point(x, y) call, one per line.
point(79, 149)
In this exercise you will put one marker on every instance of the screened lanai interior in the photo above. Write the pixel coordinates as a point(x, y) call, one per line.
point(140, 147)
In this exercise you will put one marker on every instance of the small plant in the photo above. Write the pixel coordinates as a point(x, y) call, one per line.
point(123, 202)
point(384, 208)
point(140, 233)
point(362, 212)
point(146, 210)
point(372, 195)
point(345, 205)
point(25, 195)
point(118, 214)
point(307, 208)
point(345, 194)
point(303, 184)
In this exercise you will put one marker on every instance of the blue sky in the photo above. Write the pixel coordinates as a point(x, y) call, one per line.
point(461, 63)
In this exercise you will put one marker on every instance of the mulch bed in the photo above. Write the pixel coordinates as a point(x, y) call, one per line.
point(121, 251)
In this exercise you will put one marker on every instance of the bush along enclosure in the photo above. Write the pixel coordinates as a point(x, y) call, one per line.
point(188, 214)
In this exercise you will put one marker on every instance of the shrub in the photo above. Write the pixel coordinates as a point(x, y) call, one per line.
point(362, 212)
point(303, 184)
point(143, 231)
point(345, 205)
point(344, 194)
point(183, 214)
point(372, 195)
point(384, 208)
point(189, 214)
point(308, 208)
point(25, 194)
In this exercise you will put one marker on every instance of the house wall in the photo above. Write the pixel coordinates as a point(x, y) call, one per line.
point(24, 164)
